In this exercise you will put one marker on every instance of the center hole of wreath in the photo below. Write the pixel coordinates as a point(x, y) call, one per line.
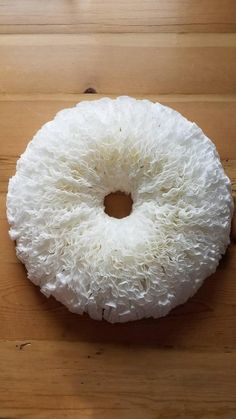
point(118, 204)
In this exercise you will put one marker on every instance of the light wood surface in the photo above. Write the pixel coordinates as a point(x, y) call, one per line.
point(54, 364)
point(73, 16)
point(119, 63)
point(95, 381)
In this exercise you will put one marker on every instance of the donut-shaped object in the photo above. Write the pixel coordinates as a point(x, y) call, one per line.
point(141, 265)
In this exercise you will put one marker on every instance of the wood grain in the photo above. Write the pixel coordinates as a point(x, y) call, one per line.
point(55, 364)
point(76, 16)
point(119, 63)
point(114, 381)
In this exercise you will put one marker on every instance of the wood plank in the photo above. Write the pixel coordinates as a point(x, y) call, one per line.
point(118, 381)
point(22, 116)
point(119, 63)
point(57, 16)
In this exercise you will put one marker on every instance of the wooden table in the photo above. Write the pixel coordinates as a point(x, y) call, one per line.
point(54, 364)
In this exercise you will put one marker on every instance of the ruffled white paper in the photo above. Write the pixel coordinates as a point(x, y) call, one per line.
point(120, 269)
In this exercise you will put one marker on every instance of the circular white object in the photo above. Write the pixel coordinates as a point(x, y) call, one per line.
point(124, 269)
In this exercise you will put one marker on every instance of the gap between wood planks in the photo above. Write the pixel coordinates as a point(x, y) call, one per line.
point(77, 97)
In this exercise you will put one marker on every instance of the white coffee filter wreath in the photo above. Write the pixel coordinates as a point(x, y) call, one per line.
point(139, 266)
